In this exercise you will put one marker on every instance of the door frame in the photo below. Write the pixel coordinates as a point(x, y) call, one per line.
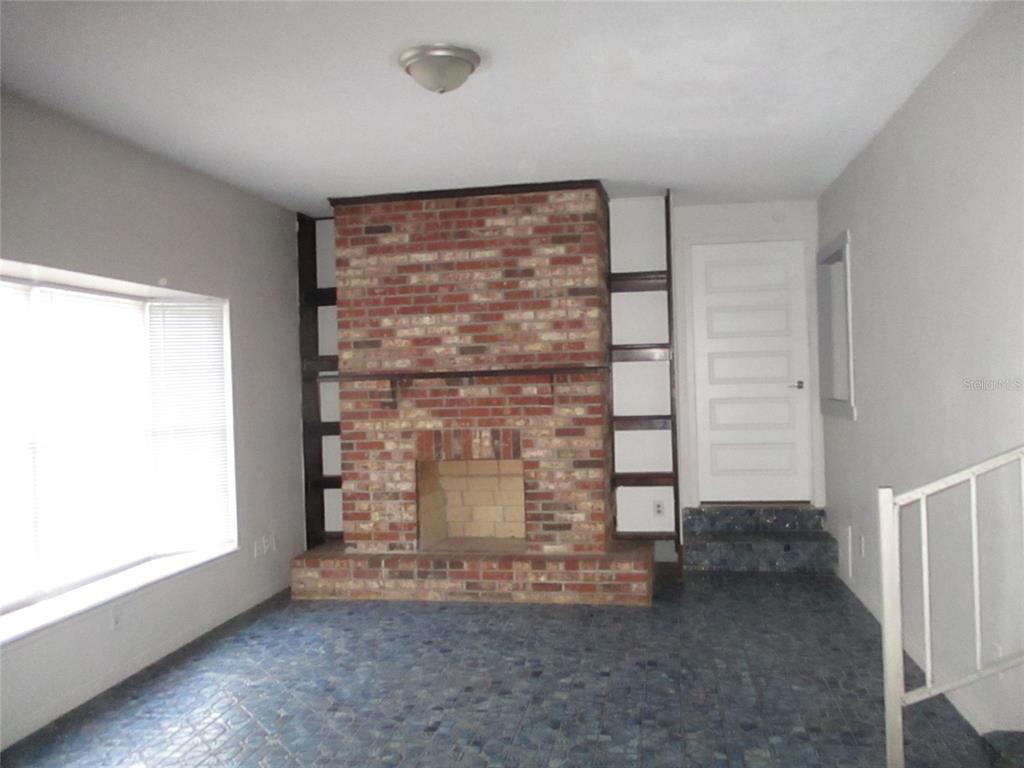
point(685, 359)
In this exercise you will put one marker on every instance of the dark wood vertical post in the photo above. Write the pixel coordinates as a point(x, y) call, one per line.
point(309, 342)
point(677, 512)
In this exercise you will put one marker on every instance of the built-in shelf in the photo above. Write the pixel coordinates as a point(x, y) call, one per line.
point(313, 366)
point(646, 535)
point(641, 422)
point(311, 298)
point(635, 282)
point(643, 479)
point(324, 428)
point(641, 353)
point(318, 297)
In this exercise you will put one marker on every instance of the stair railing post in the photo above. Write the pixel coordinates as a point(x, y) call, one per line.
point(892, 626)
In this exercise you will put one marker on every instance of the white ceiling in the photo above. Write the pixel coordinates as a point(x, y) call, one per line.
point(723, 102)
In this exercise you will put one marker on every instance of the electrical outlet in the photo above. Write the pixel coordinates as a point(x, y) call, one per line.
point(659, 508)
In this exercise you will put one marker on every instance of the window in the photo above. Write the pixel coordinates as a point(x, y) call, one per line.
point(115, 432)
point(835, 329)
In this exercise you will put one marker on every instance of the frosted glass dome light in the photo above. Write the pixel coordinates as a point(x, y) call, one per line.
point(439, 68)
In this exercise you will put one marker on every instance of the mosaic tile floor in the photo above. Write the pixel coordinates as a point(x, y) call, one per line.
point(733, 670)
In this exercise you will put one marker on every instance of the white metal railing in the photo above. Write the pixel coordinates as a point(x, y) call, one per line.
point(889, 507)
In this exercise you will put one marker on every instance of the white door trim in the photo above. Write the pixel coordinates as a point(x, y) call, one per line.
point(684, 359)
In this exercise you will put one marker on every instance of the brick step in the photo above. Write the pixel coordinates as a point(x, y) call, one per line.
point(750, 519)
point(761, 551)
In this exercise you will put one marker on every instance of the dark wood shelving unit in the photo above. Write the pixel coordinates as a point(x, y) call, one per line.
point(637, 282)
point(311, 298)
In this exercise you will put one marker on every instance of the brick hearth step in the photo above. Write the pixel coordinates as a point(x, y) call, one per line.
point(757, 539)
point(621, 576)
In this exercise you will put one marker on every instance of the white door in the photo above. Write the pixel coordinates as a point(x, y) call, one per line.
point(751, 366)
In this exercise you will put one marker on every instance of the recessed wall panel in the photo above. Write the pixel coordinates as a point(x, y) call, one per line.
point(750, 413)
point(640, 318)
point(332, 510)
point(331, 454)
point(326, 258)
point(637, 234)
point(327, 330)
point(749, 367)
point(752, 458)
point(637, 513)
point(641, 389)
point(330, 407)
point(646, 450)
point(753, 275)
point(725, 322)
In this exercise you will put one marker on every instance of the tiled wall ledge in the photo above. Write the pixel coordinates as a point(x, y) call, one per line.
point(622, 576)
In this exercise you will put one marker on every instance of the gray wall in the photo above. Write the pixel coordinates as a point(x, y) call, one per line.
point(79, 200)
point(935, 206)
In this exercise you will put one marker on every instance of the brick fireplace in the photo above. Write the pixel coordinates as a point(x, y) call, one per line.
point(473, 340)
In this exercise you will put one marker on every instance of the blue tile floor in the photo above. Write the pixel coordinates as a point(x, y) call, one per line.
point(731, 670)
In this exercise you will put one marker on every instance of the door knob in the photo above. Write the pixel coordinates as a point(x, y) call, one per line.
point(798, 385)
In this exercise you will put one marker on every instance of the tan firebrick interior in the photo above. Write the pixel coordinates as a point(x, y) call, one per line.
point(470, 502)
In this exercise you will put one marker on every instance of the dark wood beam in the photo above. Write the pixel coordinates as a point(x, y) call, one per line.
point(677, 512)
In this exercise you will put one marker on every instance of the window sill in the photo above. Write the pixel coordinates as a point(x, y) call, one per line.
point(32, 618)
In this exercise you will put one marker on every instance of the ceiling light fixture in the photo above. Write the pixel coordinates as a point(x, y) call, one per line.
point(441, 67)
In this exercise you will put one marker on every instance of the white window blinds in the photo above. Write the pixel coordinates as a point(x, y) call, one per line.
point(115, 442)
point(192, 457)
